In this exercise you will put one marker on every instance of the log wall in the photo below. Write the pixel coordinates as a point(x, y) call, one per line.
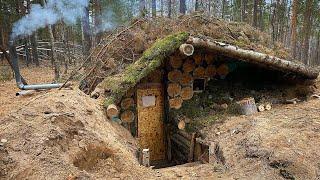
point(183, 70)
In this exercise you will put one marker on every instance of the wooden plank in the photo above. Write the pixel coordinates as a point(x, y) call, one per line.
point(150, 121)
point(191, 152)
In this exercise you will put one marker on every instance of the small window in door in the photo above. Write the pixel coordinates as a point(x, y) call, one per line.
point(148, 101)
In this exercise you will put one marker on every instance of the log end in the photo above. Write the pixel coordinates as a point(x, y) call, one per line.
point(186, 49)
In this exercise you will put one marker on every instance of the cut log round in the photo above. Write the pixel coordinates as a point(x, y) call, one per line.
point(174, 89)
point(127, 103)
point(176, 61)
point(247, 106)
point(181, 125)
point(198, 59)
point(199, 72)
point(186, 79)
point(210, 71)
point(209, 58)
point(268, 107)
point(127, 116)
point(186, 93)
point(175, 103)
point(112, 111)
point(223, 70)
point(188, 65)
point(186, 49)
point(175, 75)
point(261, 108)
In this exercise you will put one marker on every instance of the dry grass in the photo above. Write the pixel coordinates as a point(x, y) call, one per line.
point(126, 45)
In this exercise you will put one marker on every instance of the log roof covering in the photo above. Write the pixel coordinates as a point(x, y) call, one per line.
point(153, 57)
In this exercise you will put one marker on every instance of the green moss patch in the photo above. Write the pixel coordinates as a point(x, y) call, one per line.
point(151, 59)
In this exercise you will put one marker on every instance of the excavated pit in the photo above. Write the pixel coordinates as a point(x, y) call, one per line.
point(88, 158)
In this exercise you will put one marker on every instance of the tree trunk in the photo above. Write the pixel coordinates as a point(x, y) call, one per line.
point(183, 6)
point(142, 8)
point(34, 46)
point(294, 21)
point(161, 7)
point(27, 52)
point(196, 6)
point(255, 13)
point(154, 8)
point(86, 33)
point(97, 20)
point(261, 15)
point(243, 10)
point(169, 9)
point(307, 21)
point(54, 56)
point(317, 56)
point(223, 8)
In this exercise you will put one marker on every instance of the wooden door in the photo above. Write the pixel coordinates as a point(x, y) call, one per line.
point(150, 100)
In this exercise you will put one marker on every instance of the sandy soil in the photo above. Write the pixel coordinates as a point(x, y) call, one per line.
point(8, 89)
point(65, 135)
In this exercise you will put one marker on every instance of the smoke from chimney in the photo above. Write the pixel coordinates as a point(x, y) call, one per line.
point(39, 17)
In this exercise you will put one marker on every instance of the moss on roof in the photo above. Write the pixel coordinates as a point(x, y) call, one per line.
point(151, 59)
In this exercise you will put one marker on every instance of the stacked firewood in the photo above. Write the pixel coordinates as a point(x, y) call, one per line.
point(126, 110)
point(183, 70)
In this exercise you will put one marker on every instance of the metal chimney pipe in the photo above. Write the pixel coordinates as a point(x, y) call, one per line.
point(15, 63)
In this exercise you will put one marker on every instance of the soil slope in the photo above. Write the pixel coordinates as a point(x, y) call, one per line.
point(64, 134)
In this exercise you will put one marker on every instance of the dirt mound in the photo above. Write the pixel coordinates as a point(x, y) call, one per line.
point(64, 134)
point(282, 143)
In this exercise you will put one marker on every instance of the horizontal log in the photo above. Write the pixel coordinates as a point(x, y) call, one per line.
point(268, 106)
point(186, 49)
point(175, 75)
point(184, 134)
point(199, 72)
point(186, 79)
point(186, 93)
point(254, 57)
point(210, 71)
point(112, 111)
point(174, 89)
point(209, 58)
point(127, 116)
point(223, 70)
point(183, 140)
point(198, 59)
point(175, 103)
point(188, 66)
point(127, 103)
point(176, 61)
